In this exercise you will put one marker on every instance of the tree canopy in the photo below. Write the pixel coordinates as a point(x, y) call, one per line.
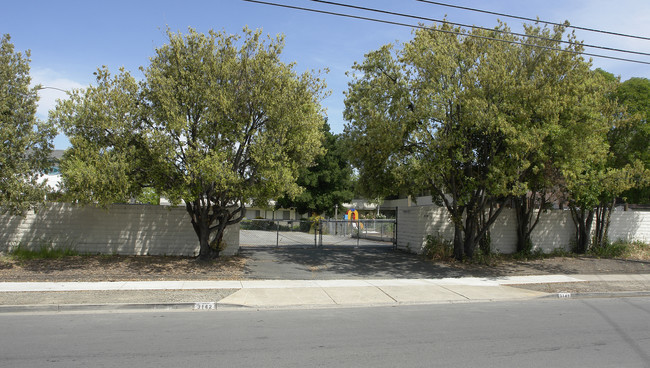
point(594, 186)
point(326, 184)
point(218, 122)
point(26, 142)
point(631, 142)
point(476, 120)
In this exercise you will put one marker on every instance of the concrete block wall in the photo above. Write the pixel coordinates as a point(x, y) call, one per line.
point(416, 222)
point(554, 230)
point(630, 225)
point(119, 229)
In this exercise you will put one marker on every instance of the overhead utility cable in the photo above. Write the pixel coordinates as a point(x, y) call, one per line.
point(477, 27)
point(534, 20)
point(441, 30)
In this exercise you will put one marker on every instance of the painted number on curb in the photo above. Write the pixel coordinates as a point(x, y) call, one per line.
point(564, 295)
point(205, 306)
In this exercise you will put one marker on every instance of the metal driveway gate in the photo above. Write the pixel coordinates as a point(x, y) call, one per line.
point(358, 233)
point(322, 233)
point(277, 233)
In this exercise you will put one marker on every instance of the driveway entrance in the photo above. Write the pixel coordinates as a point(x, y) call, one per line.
point(283, 250)
point(339, 262)
point(323, 233)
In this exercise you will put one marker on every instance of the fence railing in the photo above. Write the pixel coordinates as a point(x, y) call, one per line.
point(276, 225)
point(371, 229)
point(264, 232)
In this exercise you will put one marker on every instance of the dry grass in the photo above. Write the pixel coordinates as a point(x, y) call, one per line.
point(638, 251)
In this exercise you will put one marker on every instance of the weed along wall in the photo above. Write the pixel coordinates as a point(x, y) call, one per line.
point(554, 230)
point(119, 229)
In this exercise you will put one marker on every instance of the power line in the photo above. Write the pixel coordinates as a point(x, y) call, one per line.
point(534, 20)
point(478, 27)
point(440, 30)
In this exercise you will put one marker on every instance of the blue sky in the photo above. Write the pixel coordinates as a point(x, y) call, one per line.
point(69, 40)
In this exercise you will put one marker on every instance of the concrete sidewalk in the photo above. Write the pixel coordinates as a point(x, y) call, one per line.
point(61, 296)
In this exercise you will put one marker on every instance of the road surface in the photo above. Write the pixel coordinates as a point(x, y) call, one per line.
point(542, 333)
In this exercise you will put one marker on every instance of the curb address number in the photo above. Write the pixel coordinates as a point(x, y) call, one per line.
point(205, 306)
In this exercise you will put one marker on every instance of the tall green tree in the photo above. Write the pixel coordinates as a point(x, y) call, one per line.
point(477, 117)
point(631, 142)
point(326, 184)
point(594, 185)
point(218, 122)
point(26, 142)
point(548, 100)
point(426, 117)
point(108, 161)
point(571, 111)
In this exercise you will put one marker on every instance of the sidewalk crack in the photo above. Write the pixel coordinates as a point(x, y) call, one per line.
point(455, 292)
point(329, 296)
point(382, 290)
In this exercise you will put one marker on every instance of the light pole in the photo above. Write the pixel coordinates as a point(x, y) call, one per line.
point(39, 87)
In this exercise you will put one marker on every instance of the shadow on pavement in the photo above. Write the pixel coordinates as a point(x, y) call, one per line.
point(383, 262)
point(379, 262)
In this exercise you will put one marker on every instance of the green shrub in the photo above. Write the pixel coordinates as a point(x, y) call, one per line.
point(305, 225)
point(438, 248)
point(617, 249)
point(44, 252)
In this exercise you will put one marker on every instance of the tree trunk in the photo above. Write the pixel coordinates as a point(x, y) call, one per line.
point(206, 250)
point(603, 218)
point(210, 219)
point(522, 214)
point(470, 235)
point(200, 218)
point(485, 241)
point(525, 207)
point(583, 220)
point(459, 251)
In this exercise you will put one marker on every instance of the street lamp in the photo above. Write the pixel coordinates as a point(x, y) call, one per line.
point(48, 87)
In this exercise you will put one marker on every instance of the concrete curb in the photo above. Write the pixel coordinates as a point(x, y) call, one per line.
point(216, 306)
point(101, 307)
point(592, 295)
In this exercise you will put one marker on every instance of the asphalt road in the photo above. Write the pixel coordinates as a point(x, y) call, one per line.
point(548, 333)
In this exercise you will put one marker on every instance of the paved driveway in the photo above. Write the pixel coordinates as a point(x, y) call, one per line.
point(338, 262)
point(293, 256)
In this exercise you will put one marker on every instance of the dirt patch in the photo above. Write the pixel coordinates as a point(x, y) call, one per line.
point(152, 268)
point(588, 287)
point(120, 268)
point(556, 265)
point(114, 297)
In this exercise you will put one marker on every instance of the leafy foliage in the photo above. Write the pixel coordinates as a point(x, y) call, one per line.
point(437, 248)
point(474, 120)
point(631, 142)
point(594, 182)
point(326, 184)
point(26, 142)
point(215, 124)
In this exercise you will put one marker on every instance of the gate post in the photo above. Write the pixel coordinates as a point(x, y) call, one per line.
point(358, 231)
point(318, 233)
point(395, 230)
